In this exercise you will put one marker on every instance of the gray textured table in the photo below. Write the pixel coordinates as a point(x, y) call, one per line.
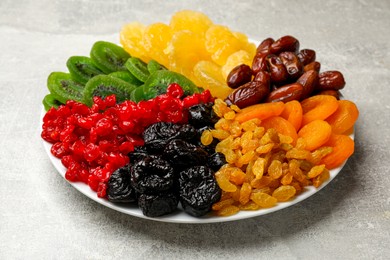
point(43, 217)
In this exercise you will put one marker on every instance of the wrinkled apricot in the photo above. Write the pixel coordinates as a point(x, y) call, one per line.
point(281, 125)
point(318, 107)
point(344, 118)
point(315, 134)
point(293, 113)
point(260, 111)
point(343, 147)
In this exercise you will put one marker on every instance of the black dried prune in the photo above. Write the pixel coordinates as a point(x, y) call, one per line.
point(152, 175)
point(138, 153)
point(216, 161)
point(155, 205)
point(183, 154)
point(119, 187)
point(158, 135)
point(198, 190)
point(202, 115)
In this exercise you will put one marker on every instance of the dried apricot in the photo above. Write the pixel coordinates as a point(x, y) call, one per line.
point(293, 113)
point(260, 111)
point(344, 118)
point(343, 147)
point(281, 125)
point(318, 107)
point(315, 134)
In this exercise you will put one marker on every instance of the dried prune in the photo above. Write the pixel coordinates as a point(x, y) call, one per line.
point(198, 190)
point(119, 187)
point(155, 205)
point(158, 135)
point(183, 154)
point(202, 115)
point(139, 153)
point(152, 175)
point(216, 161)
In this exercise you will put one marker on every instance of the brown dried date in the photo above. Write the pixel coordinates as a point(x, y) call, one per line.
point(277, 69)
point(331, 92)
point(285, 43)
point(307, 56)
point(309, 82)
point(331, 80)
point(249, 94)
point(259, 63)
point(292, 63)
point(315, 65)
point(263, 77)
point(286, 93)
point(264, 46)
point(240, 75)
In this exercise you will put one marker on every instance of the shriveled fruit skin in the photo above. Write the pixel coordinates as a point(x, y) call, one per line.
point(315, 133)
point(284, 193)
point(198, 190)
point(344, 118)
point(155, 205)
point(343, 147)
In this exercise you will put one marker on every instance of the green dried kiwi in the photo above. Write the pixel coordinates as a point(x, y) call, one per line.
point(138, 68)
point(126, 76)
point(63, 87)
point(50, 101)
point(154, 66)
point(104, 85)
point(82, 68)
point(137, 94)
point(109, 57)
point(159, 81)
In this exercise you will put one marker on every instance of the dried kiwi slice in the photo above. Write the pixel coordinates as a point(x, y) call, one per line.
point(109, 57)
point(159, 81)
point(104, 85)
point(154, 66)
point(138, 68)
point(126, 76)
point(50, 101)
point(82, 68)
point(63, 87)
point(138, 94)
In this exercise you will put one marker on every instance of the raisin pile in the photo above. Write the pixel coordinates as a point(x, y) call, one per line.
point(171, 167)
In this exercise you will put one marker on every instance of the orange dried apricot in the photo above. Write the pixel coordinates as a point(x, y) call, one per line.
point(343, 147)
point(315, 134)
point(281, 125)
point(318, 107)
point(293, 113)
point(344, 118)
point(260, 111)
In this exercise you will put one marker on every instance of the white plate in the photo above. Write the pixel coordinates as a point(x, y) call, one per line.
point(180, 216)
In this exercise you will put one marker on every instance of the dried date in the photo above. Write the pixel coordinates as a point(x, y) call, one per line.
point(240, 75)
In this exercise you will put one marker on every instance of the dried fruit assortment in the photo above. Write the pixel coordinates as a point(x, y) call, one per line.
point(134, 124)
